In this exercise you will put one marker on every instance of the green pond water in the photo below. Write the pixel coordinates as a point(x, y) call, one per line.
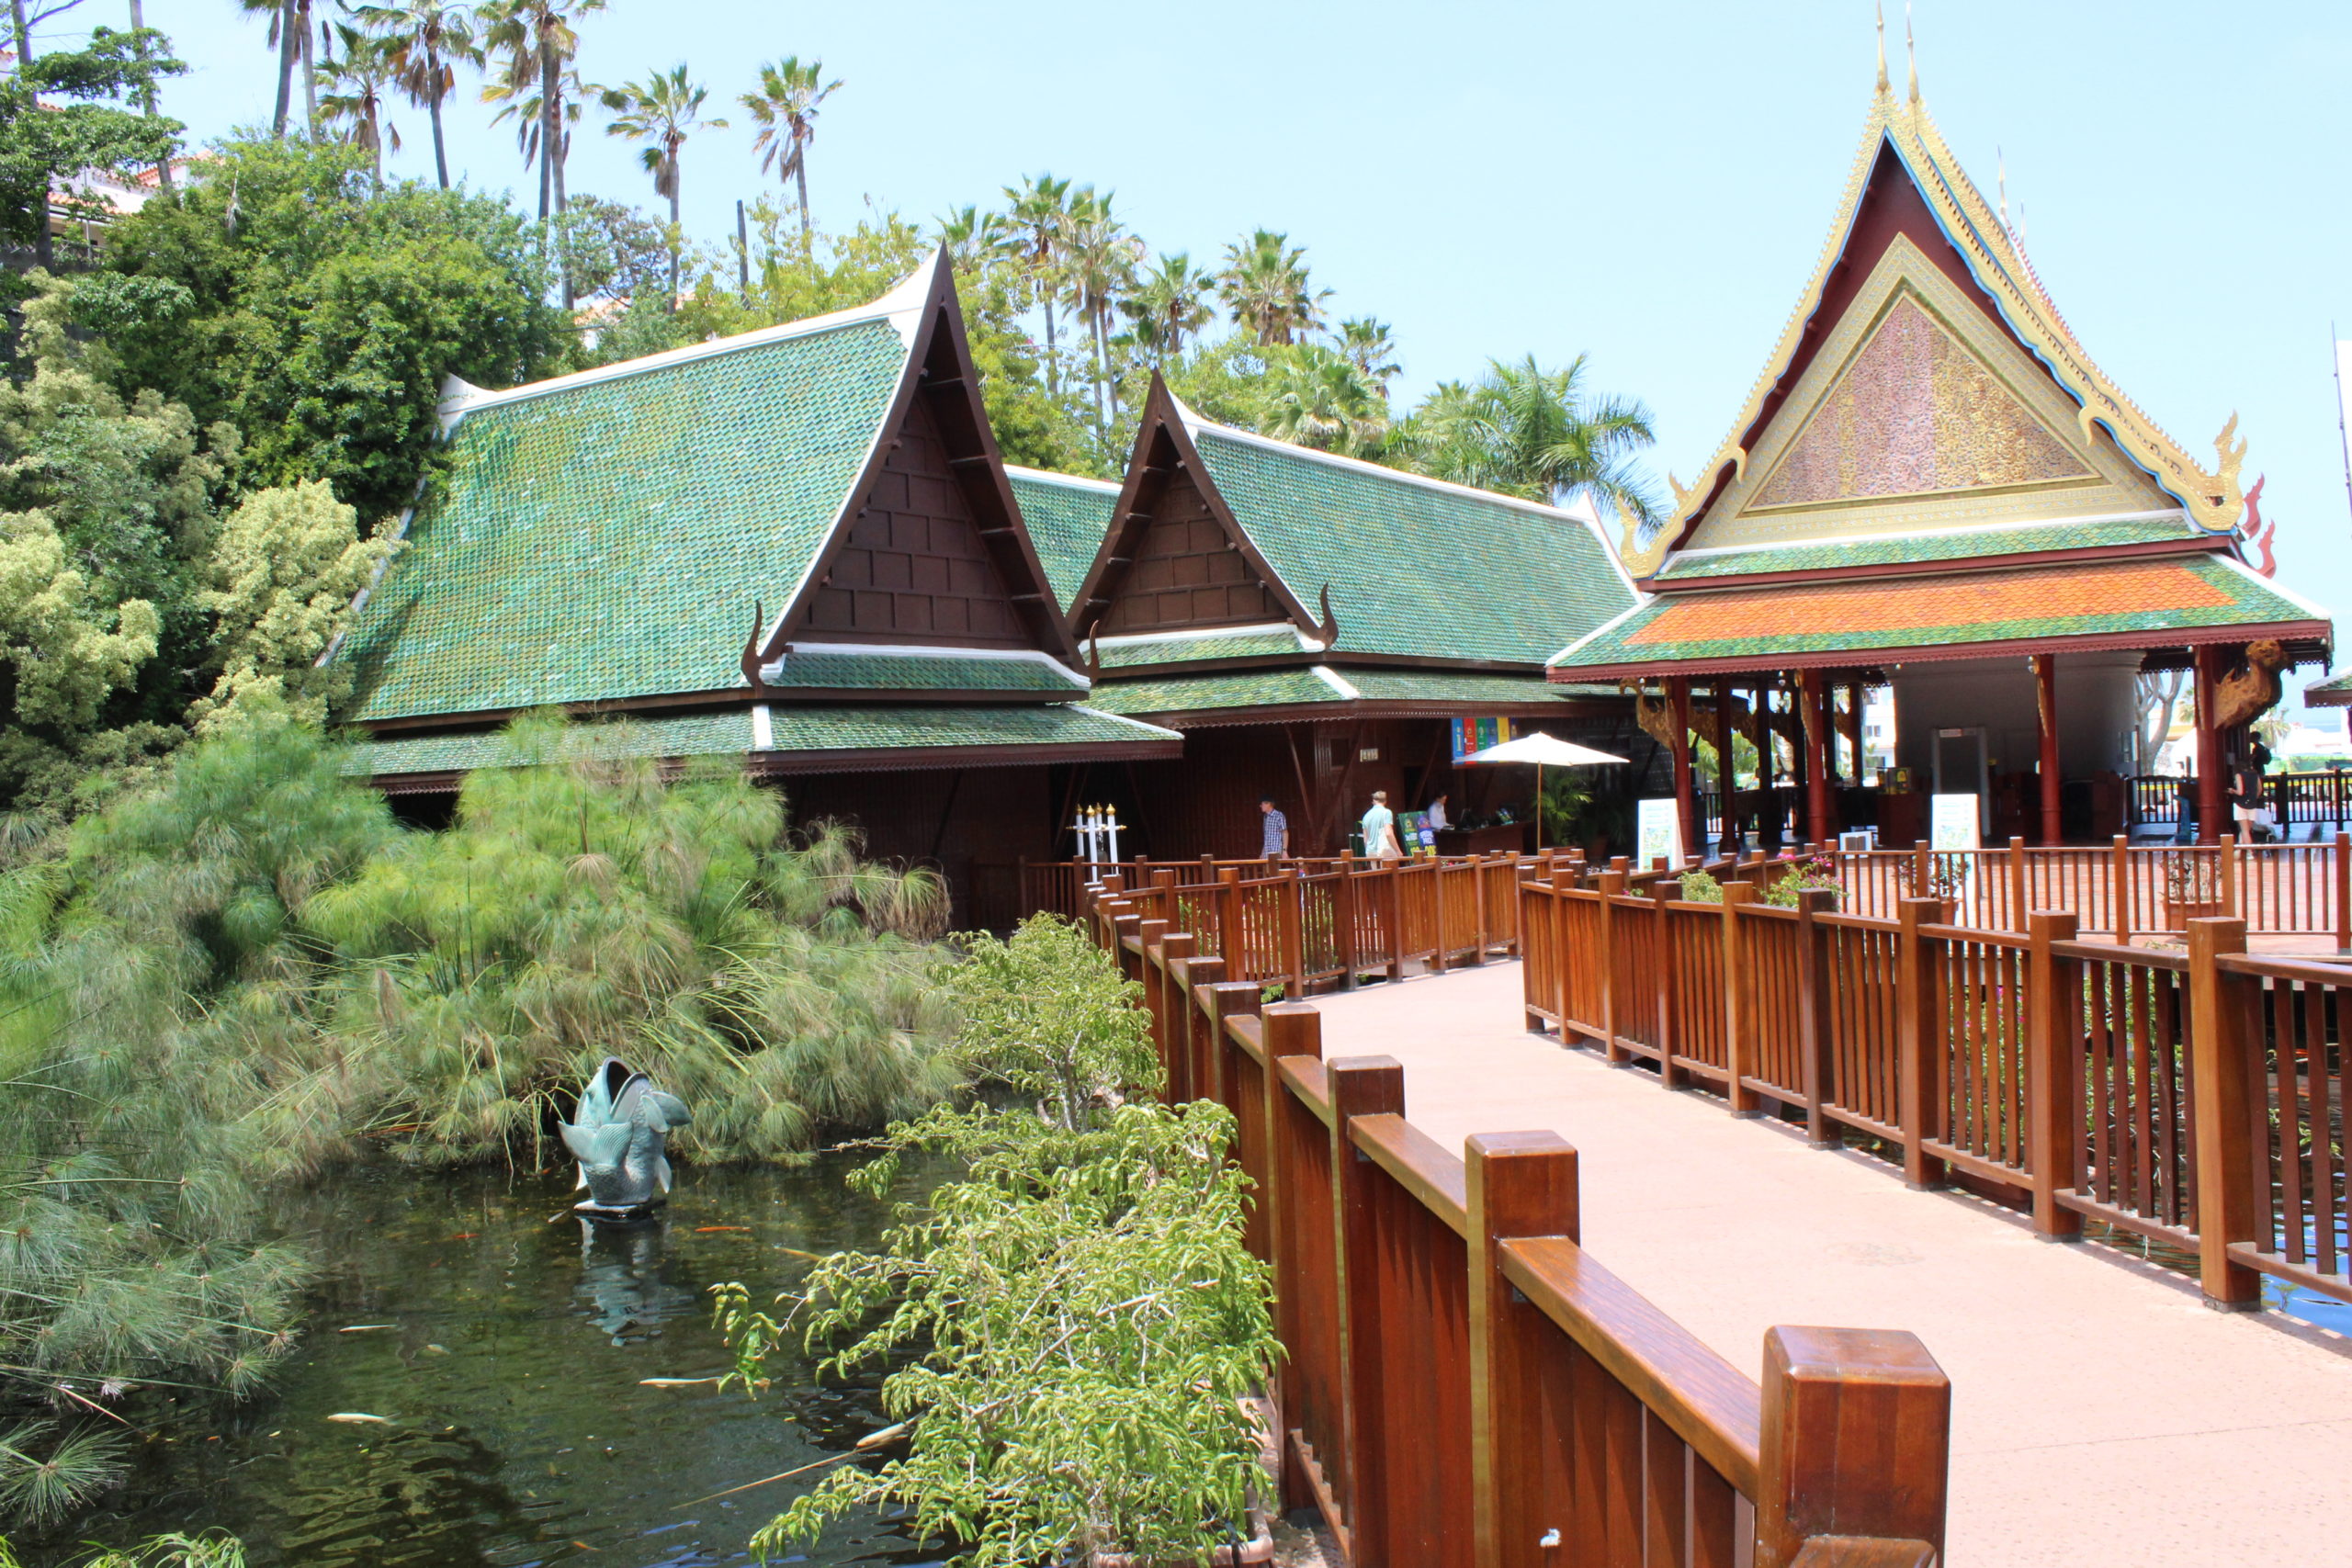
point(504, 1349)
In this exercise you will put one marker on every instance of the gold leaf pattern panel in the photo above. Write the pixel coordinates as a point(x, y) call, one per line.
point(1916, 412)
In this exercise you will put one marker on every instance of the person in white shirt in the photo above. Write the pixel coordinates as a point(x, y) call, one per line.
point(1438, 820)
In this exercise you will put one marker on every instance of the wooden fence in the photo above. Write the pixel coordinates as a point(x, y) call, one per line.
point(1464, 1385)
point(2195, 1098)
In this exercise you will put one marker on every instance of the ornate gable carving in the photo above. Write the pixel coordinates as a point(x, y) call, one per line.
point(1912, 414)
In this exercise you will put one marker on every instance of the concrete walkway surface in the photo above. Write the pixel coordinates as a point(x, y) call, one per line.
point(2101, 1414)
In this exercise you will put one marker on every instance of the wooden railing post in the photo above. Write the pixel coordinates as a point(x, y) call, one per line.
point(1923, 868)
point(1231, 943)
point(1361, 1086)
point(2225, 1079)
point(1739, 1021)
point(1612, 882)
point(1172, 956)
point(1520, 1185)
point(2018, 900)
point(2229, 853)
point(1437, 917)
point(1291, 903)
point(1188, 1076)
point(1292, 1029)
point(1669, 1076)
point(1393, 919)
point(1478, 880)
point(2054, 1073)
point(2120, 889)
point(1818, 1066)
point(1919, 1038)
point(1227, 1000)
point(1856, 1441)
point(2342, 865)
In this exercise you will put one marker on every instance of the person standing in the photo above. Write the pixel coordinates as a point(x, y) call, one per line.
point(1439, 821)
point(1276, 843)
point(1380, 829)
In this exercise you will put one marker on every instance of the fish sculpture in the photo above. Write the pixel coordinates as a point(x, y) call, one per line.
point(619, 1132)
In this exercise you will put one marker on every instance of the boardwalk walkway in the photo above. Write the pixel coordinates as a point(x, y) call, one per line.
point(2100, 1412)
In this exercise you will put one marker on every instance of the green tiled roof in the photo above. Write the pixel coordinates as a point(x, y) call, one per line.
point(1066, 517)
point(813, 665)
point(1186, 649)
point(607, 539)
point(2151, 597)
point(731, 732)
point(1235, 689)
point(1964, 545)
point(1416, 567)
point(2335, 691)
point(687, 734)
point(1466, 692)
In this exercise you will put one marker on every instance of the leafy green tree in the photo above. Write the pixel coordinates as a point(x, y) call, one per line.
point(319, 312)
point(1315, 396)
point(1074, 1324)
point(46, 145)
point(1265, 284)
point(662, 111)
point(785, 109)
point(282, 580)
point(1525, 431)
point(359, 86)
point(612, 249)
point(1036, 236)
point(425, 41)
point(1099, 261)
point(1371, 346)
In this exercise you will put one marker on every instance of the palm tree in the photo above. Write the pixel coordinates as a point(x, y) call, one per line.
point(289, 32)
point(662, 111)
point(784, 108)
point(1371, 347)
point(425, 41)
point(1099, 264)
point(358, 85)
point(1525, 431)
point(1316, 396)
point(538, 39)
point(1037, 228)
point(971, 235)
point(1169, 304)
point(1265, 284)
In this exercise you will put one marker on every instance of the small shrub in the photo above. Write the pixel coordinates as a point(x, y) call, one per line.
point(1700, 887)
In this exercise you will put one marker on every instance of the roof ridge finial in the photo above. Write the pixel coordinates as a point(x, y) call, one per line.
point(1883, 91)
point(2001, 181)
point(1911, 48)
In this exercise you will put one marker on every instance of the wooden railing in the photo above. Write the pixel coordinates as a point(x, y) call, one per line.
point(1311, 925)
point(2193, 1096)
point(1464, 1384)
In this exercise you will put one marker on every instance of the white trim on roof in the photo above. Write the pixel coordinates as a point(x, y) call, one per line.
point(1086, 481)
point(901, 306)
point(774, 671)
point(1123, 718)
point(1202, 634)
point(762, 728)
point(2189, 529)
point(1643, 603)
point(2275, 586)
point(1330, 678)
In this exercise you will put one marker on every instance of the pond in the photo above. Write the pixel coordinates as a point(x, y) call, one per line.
point(503, 1343)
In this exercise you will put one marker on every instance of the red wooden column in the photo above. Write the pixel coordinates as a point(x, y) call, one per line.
point(2045, 691)
point(1686, 780)
point(1815, 693)
point(2208, 746)
point(1727, 776)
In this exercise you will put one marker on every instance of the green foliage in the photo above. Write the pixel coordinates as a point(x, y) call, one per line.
point(581, 908)
point(282, 578)
point(207, 1549)
point(1045, 1016)
point(1700, 887)
point(1084, 1321)
point(318, 309)
point(1525, 431)
point(1817, 874)
point(46, 145)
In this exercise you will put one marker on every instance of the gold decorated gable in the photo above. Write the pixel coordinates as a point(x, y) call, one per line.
point(2097, 412)
point(1916, 412)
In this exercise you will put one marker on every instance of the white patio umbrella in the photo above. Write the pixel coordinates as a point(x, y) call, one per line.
point(1544, 751)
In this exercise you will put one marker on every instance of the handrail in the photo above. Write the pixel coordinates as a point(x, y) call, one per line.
point(1709, 1403)
point(1420, 1164)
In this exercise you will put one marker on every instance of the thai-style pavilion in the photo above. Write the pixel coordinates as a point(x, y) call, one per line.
point(1933, 486)
point(1315, 626)
point(797, 548)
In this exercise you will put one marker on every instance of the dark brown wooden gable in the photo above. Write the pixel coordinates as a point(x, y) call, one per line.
point(915, 568)
point(1187, 571)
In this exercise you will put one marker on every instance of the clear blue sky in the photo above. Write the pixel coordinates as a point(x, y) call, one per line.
point(1647, 183)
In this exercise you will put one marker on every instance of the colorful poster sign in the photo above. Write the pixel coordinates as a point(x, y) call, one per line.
point(1415, 834)
point(1657, 831)
point(1951, 822)
point(1477, 734)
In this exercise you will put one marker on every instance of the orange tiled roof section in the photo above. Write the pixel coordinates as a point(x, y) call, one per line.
point(1882, 607)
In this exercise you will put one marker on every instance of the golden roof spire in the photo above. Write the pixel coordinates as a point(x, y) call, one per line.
point(1912, 50)
point(2001, 177)
point(1883, 88)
